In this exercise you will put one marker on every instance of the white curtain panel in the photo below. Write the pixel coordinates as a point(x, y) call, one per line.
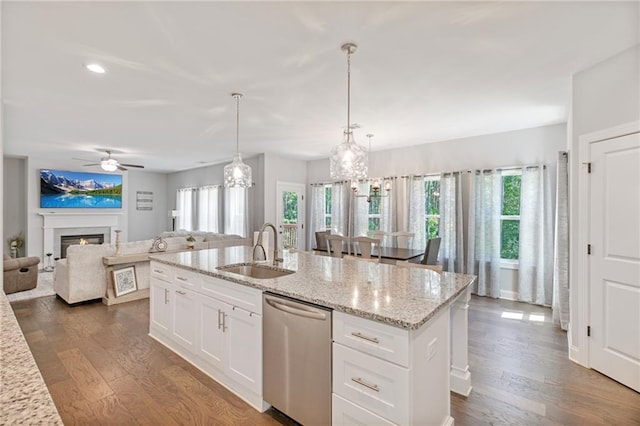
point(535, 273)
point(361, 211)
point(208, 202)
point(451, 228)
point(236, 217)
point(186, 206)
point(340, 197)
point(560, 302)
point(417, 212)
point(389, 211)
point(317, 213)
point(483, 254)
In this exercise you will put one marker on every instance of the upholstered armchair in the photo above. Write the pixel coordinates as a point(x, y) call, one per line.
point(20, 274)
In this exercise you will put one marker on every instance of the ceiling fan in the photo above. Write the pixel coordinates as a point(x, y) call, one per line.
point(110, 164)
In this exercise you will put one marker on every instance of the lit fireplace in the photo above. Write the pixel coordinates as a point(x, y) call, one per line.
point(68, 240)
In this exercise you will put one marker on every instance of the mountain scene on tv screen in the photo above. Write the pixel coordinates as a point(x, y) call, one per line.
point(63, 189)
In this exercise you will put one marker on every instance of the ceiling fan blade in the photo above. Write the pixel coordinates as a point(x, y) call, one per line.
point(83, 159)
point(132, 165)
point(92, 164)
point(119, 166)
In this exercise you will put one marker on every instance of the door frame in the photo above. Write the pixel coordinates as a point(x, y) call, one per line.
point(579, 351)
point(301, 189)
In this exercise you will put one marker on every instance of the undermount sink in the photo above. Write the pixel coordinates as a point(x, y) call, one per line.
point(254, 270)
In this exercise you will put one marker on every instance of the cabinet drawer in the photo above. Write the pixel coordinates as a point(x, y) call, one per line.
point(187, 279)
point(345, 413)
point(247, 298)
point(376, 385)
point(162, 272)
point(380, 340)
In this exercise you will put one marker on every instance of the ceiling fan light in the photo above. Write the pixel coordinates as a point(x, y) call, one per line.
point(109, 165)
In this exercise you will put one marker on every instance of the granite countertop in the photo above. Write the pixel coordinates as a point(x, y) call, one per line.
point(402, 297)
point(24, 397)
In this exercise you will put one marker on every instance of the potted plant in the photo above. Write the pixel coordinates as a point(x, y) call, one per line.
point(191, 241)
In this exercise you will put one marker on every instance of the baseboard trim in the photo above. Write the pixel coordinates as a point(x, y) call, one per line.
point(448, 421)
point(460, 381)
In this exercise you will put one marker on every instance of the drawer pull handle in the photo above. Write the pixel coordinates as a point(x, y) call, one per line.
point(359, 381)
point(181, 278)
point(158, 271)
point(362, 336)
point(181, 292)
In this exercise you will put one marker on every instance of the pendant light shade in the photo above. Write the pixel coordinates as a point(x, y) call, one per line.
point(237, 174)
point(348, 160)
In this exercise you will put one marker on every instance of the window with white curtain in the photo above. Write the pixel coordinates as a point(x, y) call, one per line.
point(208, 205)
point(432, 206)
point(374, 212)
point(327, 206)
point(185, 204)
point(510, 215)
point(236, 217)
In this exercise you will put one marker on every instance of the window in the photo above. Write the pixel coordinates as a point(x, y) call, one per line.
point(327, 206)
point(510, 217)
point(375, 212)
point(432, 206)
point(208, 209)
point(185, 204)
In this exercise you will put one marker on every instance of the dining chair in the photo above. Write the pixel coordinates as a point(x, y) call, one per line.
point(362, 259)
point(321, 239)
point(382, 236)
point(431, 251)
point(403, 239)
point(407, 264)
point(365, 245)
point(334, 244)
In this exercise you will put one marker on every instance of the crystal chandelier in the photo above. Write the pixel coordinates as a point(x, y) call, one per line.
point(376, 184)
point(237, 174)
point(348, 160)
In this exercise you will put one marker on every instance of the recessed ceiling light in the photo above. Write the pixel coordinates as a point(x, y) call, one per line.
point(98, 69)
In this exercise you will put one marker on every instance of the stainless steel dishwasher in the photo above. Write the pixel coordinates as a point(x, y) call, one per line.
point(297, 359)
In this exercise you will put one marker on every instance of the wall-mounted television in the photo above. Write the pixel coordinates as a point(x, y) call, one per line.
point(61, 189)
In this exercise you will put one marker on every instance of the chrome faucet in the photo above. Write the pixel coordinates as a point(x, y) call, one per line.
point(258, 250)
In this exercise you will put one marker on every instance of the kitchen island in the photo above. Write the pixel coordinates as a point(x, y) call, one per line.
point(387, 320)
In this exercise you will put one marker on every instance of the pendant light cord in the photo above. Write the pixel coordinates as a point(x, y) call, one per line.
point(237, 96)
point(348, 93)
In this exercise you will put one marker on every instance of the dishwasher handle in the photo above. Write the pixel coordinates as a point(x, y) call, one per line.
point(296, 309)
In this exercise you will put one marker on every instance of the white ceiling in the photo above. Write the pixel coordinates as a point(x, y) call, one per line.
point(423, 72)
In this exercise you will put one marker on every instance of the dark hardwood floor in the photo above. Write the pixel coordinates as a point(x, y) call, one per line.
point(102, 368)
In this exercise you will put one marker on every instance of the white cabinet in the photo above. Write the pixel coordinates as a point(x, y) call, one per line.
point(214, 324)
point(185, 317)
point(387, 375)
point(160, 306)
point(212, 333)
point(244, 348)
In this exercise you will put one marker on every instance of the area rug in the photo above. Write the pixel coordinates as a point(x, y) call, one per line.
point(44, 288)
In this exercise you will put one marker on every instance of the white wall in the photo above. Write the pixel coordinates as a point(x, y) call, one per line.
point(14, 200)
point(146, 224)
point(520, 147)
point(603, 96)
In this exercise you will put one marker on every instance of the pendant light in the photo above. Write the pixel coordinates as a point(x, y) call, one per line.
point(237, 174)
point(348, 160)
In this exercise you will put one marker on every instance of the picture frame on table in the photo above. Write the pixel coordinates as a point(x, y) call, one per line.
point(124, 281)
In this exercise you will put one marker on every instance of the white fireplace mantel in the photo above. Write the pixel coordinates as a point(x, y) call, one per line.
point(56, 220)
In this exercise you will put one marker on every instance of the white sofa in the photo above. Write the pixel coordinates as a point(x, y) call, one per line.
point(82, 275)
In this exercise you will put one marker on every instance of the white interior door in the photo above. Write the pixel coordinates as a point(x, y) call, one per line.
point(614, 345)
point(290, 211)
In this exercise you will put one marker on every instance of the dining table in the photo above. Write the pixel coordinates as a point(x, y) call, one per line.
point(387, 254)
